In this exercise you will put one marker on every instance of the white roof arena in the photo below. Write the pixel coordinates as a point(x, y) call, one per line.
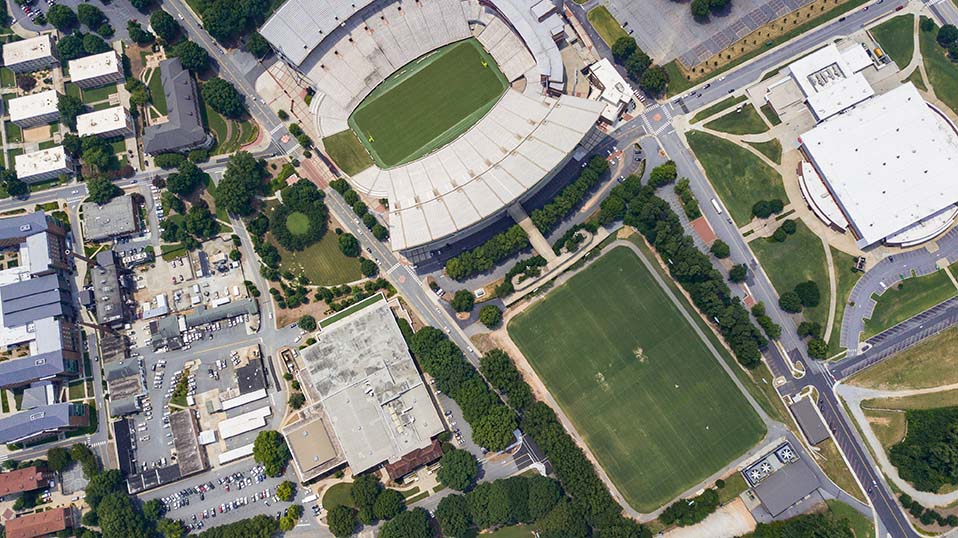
point(889, 163)
point(831, 79)
point(347, 49)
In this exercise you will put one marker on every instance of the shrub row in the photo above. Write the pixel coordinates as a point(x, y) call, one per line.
point(772, 330)
point(359, 208)
point(590, 226)
point(927, 516)
point(491, 421)
point(692, 269)
point(527, 268)
point(689, 204)
point(487, 255)
point(685, 512)
point(546, 218)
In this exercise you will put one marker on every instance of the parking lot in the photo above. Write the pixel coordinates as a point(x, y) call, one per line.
point(117, 11)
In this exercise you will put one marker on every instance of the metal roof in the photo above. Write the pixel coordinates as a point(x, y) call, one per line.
point(809, 420)
point(23, 226)
point(30, 300)
point(205, 315)
point(33, 368)
point(35, 421)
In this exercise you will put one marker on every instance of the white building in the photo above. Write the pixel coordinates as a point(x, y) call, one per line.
point(884, 169)
point(609, 87)
point(35, 109)
point(30, 54)
point(43, 165)
point(106, 123)
point(96, 70)
point(828, 81)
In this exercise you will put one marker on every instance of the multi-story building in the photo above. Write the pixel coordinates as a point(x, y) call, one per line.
point(27, 479)
point(35, 109)
point(30, 54)
point(43, 165)
point(97, 70)
point(106, 123)
point(43, 422)
point(183, 129)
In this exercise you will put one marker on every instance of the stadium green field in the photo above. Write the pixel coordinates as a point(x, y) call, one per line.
point(428, 103)
point(643, 391)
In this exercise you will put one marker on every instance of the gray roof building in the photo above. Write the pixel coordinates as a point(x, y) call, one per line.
point(184, 128)
point(40, 238)
point(116, 218)
point(26, 370)
point(810, 421)
point(42, 421)
point(203, 315)
point(24, 302)
point(107, 290)
point(38, 395)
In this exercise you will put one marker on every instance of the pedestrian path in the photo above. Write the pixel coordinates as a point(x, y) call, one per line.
point(539, 242)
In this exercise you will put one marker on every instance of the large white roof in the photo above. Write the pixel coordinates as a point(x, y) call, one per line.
point(33, 105)
point(95, 66)
point(41, 162)
point(890, 162)
point(298, 26)
point(27, 50)
point(831, 80)
point(103, 121)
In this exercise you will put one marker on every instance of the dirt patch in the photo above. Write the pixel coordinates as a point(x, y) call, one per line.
point(36, 134)
point(640, 354)
point(730, 520)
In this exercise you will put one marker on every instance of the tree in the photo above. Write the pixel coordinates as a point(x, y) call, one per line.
point(543, 494)
point(637, 65)
point(94, 44)
point(15, 187)
point(720, 249)
point(810, 328)
point(926, 24)
point(172, 202)
point(62, 18)
point(663, 174)
point(164, 26)
point(70, 107)
point(257, 45)
point(623, 48)
point(502, 374)
point(700, 9)
point(779, 235)
point(118, 517)
point(90, 16)
point(738, 273)
point(26, 82)
point(488, 505)
point(200, 222)
point(223, 98)
point(153, 509)
point(654, 80)
point(142, 5)
point(463, 301)
point(947, 35)
point(307, 323)
point(242, 181)
point(286, 490)
point(192, 56)
point(365, 490)
point(138, 34)
point(790, 302)
point(58, 459)
point(412, 524)
point(453, 516)
point(348, 245)
point(817, 348)
point(494, 430)
point(171, 528)
point(297, 400)
point(490, 316)
point(270, 450)
point(808, 293)
point(368, 267)
point(187, 177)
point(789, 226)
point(564, 520)
point(389, 503)
point(102, 484)
point(458, 469)
point(102, 190)
point(341, 520)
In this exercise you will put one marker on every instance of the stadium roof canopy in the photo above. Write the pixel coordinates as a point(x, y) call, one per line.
point(889, 162)
point(298, 26)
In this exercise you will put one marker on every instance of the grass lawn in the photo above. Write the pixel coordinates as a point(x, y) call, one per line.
point(770, 113)
point(916, 79)
point(908, 298)
point(653, 405)
point(217, 125)
point(734, 486)
point(338, 495)
point(728, 102)
point(326, 322)
point(73, 90)
point(862, 526)
point(897, 38)
point(605, 25)
point(297, 223)
point(157, 97)
point(347, 152)
point(76, 390)
point(516, 531)
point(933, 400)
point(428, 103)
point(94, 95)
point(745, 121)
point(14, 132)
point(847, 278)
point(931, 363)
point(771, 149)
point(888, 425)
point(8, 79)
point(322, 262)
point(801, 257)
point(740, 177)
point(942, 74)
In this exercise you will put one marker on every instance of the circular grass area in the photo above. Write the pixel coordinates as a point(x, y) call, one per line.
point(297, 223)
point(338, 495)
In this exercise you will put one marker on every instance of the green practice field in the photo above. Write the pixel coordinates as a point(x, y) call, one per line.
point(644, 392)
point(428, 103)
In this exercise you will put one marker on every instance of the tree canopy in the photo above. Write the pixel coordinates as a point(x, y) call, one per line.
point(412, 524)
point(458, 469)
point(192, 56)
point(70, 107)
point(186, 179)
point(463, 301)
point(242, 181)
point(102, 190)
point(341, 520)
point(165, 26)
point(62, 18)
point(270, 450)
point(222, 97)
point(490, 316)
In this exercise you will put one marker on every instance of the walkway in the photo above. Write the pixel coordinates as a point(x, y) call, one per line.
point(854, 396)
point(539, 242)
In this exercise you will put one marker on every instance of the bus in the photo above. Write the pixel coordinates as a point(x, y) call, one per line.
point(715, 204)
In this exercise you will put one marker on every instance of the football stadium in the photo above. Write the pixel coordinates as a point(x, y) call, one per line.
point(458, 103)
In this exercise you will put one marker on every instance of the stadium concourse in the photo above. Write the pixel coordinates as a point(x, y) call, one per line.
point(347, 50)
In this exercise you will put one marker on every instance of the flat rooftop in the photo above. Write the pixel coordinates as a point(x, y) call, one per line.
point(103, 121)
point(370, 388)
point(33, 105)
point(888, 162)
point(27, 50)
point(41, 162)
point(313, 446)
point(114, 218)
point(98, 65)
point(831, 79)
point(185, 433)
